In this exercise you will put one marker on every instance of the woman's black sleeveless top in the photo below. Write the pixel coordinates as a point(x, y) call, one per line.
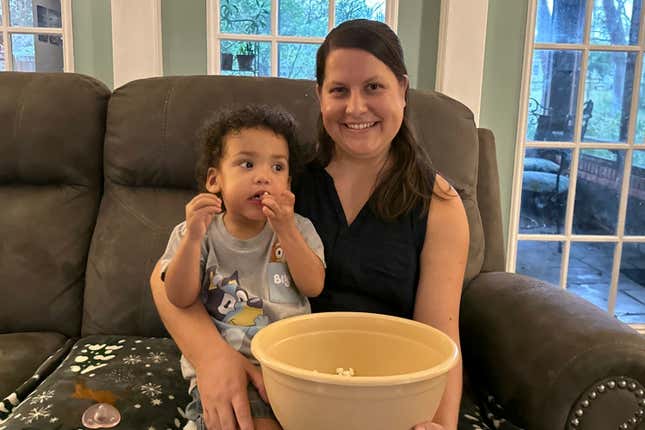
point(372, 265)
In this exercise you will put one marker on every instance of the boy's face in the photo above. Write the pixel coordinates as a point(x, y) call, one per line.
point(254, 161)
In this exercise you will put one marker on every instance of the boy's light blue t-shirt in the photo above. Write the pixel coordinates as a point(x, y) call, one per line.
point(245, 284)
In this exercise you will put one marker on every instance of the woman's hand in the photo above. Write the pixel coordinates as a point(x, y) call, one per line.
point(222, 387)
point(199, 214)
point(279, 210)
point(429, 426)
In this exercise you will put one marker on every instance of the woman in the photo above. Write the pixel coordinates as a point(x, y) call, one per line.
point(395, 233)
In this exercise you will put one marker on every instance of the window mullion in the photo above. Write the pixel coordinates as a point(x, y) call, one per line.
point(392, 13)
point(332, 15)
point(8, 51)
point(520, 146)
point(213, 37)
point(573, 171)
point(582, 78)
point(577, 131)
point(36, 30)
point(4, 28)
point(620, 228)
point(68, 35)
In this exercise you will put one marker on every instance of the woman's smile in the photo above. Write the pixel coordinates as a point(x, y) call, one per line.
point(360, 125)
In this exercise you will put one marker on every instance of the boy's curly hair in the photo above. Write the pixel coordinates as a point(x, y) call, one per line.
point(233, 119)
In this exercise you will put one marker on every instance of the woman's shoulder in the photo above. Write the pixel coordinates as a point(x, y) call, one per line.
point(447, 210)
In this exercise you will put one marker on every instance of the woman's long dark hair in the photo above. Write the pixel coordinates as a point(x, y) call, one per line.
point(408, 181)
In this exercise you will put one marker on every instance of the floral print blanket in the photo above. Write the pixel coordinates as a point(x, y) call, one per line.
point(141, 377)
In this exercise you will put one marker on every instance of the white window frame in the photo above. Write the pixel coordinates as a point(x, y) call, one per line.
point(576, 146)
point(214, 36)
point(66, 32)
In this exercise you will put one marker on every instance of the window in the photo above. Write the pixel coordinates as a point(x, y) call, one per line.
point(280, 37)
point(578, 214)
point(35, 36)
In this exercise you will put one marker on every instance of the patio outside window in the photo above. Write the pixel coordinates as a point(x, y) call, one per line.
point(578, 218)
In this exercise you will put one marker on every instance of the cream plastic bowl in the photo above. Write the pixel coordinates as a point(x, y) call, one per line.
point(400, 370)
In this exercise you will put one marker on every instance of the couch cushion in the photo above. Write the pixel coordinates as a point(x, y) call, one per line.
point(141, 377)
point(149, 164)
point(446, 129)
point(20, 356)
point(51, 138)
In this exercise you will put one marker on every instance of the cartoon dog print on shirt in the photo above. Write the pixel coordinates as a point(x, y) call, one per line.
point(231, 305)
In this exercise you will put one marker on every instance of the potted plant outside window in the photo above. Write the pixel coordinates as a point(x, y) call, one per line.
point(246, 55)
point(226, 61)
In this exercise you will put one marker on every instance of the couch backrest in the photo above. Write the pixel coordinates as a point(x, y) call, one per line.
point(149, 177)
point(51, 137)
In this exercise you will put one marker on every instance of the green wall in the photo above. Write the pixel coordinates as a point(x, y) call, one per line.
point(183, 25)
point(429, 43)
point(501, 87)
point(92, 27)
point(409, 28)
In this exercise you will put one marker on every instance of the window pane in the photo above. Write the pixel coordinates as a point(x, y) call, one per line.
point(245, 16)
point(24, 13)
point(545, 183)
point(297, 60)
point(245, 58)
point(303, 17)
point(1, 21)
point(355, 9)
point(630, 302)
point(37, 52)
point(615, 22)
point(600, 175)
point(589, 273)
point(608, 94)
point(560, 21)
point(2, 63)
point(634, 223)
point(554, 90)
point(541, 260)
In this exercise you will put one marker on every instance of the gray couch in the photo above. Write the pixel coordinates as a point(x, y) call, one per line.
point(91, 183)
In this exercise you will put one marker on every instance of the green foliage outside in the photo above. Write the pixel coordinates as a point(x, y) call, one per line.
point(302, 18)
point(607, 83)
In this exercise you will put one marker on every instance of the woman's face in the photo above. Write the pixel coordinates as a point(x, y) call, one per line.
point(361, 102)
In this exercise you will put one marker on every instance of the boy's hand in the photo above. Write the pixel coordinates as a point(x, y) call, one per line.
point(279, 210)
point(199, 214)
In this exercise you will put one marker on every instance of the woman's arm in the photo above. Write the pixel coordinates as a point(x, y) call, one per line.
point(222, 372)
point(443, 262)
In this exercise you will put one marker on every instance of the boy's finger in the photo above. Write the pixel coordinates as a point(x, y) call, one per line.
point(205, 199)
point(268, 212)
point(270, 203)
point(289, 197)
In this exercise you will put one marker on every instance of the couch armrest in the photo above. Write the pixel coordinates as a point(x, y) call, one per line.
point(540, 351)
